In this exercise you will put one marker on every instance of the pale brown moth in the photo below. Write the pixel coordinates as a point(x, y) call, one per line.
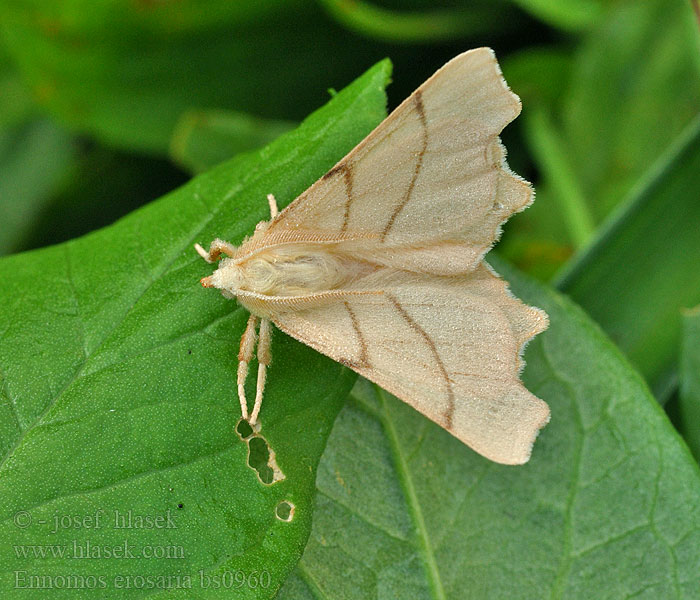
point(379, 264)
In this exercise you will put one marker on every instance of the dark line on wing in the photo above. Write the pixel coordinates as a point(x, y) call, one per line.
point(348, 190)
point(449, 413)
point(333, 171)
point(346, 170)
point(418, 100)
point(364, 360)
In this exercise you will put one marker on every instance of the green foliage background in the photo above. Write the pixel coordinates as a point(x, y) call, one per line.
point(117, 370)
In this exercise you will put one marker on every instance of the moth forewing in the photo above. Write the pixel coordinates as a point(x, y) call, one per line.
point(379, 264)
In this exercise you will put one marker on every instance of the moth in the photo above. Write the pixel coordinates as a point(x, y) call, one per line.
point(379, 265)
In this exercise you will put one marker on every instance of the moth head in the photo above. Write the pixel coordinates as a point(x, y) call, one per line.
point(227, 278)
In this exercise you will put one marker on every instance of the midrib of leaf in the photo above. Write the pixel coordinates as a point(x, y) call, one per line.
point(415, 510)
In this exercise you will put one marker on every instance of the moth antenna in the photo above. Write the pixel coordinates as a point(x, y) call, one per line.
point(202, 252)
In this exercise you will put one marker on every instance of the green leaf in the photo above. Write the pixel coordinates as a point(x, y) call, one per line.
point(551, 156)
point(104, 185)
point(689, 398)
point(596, 122)
point(16, 102)
point(431, 25)
point(118, 390)
point(126, 74)
point(642, 268)
point(573, 15)
point(36, 157)
point(540, 239)
point(204, 138)
point(608, 506)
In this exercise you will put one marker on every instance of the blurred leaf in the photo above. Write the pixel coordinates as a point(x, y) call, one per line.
point(608, 506)
point(104, 186)
point(126, 70)
point(535, 239)
point(635, 85)
point(54, 187)
point(118, 376)
point(574, 15)
point(689, 399)
point(642, 268)
point(204, 138)
point(431, 25)
point(539, 75)
point(154, 18)
point(16, 102)
point(36, 157)
point(550, 153)
point(596, 124)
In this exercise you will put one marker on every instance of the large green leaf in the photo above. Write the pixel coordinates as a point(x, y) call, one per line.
point(689, 397)
point(118, 375)
point(642, 268)
point(608, 506)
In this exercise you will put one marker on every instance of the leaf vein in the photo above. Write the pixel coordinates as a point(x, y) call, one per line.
point(403, 472)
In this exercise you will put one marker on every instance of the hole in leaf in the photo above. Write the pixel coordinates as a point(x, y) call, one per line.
point(261, 458)
point(258, 457)
point(285, 511)
point(243, 429)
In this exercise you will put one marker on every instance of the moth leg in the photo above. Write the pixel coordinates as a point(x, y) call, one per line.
point(216, 249)
point(263, 362)
point(273, 206)
point(244, 355)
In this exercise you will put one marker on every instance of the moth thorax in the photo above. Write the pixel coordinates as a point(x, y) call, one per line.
point(292, 270)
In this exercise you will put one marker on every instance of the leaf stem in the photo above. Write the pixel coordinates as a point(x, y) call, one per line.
point(399, 26)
